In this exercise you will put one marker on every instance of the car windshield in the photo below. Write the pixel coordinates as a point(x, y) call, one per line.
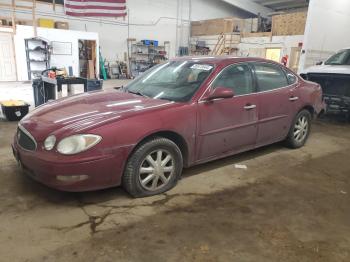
point(175, 80)
point(340, 58)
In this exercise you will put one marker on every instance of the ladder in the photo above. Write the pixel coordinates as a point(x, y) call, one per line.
point(224, 45)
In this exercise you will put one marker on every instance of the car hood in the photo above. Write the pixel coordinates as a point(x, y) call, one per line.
point(329, 69)
point(79, 113)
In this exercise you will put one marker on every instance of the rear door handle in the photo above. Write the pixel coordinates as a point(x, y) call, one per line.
point(249, 107)
point(293, 98)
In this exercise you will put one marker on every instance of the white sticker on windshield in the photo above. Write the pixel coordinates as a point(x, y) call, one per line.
point(202, 67)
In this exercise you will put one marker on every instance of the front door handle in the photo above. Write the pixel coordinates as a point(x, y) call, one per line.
point(293, 98)
point(249, 107)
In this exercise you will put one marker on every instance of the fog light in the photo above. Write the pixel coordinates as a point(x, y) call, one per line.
point(74, 178)
point(49, 142)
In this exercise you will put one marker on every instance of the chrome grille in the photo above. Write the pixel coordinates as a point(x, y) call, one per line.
point(25, 139)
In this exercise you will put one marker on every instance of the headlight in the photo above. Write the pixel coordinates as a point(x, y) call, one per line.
point(77, 143)
point(49, 142)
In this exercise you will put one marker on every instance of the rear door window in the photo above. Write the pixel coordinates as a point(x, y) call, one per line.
point(269, 76)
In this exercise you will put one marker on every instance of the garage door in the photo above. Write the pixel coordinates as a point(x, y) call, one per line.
point(7, 58)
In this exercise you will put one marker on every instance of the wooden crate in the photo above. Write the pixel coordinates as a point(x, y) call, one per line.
point(289, 24)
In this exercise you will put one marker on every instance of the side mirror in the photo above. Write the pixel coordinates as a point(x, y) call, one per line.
point(220, 92)
point(319, 63)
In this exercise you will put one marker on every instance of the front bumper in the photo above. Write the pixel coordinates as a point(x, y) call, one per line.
point(337, 104)
point(101, 172)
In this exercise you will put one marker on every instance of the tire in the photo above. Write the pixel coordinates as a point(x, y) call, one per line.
point(301, 123)
point(146, 165)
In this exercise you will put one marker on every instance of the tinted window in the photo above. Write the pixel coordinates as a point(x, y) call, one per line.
point(236, 77)
point(270, 77)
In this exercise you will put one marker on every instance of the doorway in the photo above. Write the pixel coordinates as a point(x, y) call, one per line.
point(7, 58)
point(273, 54)
point(87, 59)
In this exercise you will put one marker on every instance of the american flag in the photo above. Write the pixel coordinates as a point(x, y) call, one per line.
point(111, 8)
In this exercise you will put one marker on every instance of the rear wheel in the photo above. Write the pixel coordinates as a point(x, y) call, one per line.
point(300, 129)
point(153, 168)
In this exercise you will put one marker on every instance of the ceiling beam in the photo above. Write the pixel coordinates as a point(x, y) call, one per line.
point(250, 7)
point(290, 6)
point(275, 2)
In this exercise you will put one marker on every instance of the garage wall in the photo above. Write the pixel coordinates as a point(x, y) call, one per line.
point(326, 30)
point(284, 42)
point(150, 19)
point(59, 35)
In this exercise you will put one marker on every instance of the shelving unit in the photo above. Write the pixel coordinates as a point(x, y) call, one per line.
point(38, 56)
point(143, 57)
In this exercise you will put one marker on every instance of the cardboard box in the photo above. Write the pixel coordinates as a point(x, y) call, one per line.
point(49, 23)
point(61, 25)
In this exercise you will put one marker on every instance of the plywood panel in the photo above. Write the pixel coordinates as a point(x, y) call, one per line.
point(289, 24)
point(212, 27)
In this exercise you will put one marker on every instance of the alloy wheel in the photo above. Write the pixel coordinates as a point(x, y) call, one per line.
point(301, 129)
point(156, 170)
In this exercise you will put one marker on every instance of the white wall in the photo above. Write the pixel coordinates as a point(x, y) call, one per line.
point(283, 42)
point(149, 19)
point(58, 61)
point(327, 30)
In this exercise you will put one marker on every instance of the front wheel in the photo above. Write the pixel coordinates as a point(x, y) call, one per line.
point(300, 129)
point(153, 168)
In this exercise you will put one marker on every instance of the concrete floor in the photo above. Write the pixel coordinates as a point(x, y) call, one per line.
point(288, 205)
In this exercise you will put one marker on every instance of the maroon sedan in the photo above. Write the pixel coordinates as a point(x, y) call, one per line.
point(178, 114)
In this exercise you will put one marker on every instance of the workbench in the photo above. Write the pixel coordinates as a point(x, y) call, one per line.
point(59, 82)
point(46, 88)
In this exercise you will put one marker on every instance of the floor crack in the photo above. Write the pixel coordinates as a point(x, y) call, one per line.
point(94, 221)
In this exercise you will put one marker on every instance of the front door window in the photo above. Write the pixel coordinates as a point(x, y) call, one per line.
point(236, 77)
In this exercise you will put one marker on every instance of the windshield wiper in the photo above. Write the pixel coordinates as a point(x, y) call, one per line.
point(136, 93)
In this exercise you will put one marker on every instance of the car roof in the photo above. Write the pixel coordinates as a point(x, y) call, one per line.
point(220, 59)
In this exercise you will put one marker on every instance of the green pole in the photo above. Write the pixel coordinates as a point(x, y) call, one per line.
point(102, 66)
